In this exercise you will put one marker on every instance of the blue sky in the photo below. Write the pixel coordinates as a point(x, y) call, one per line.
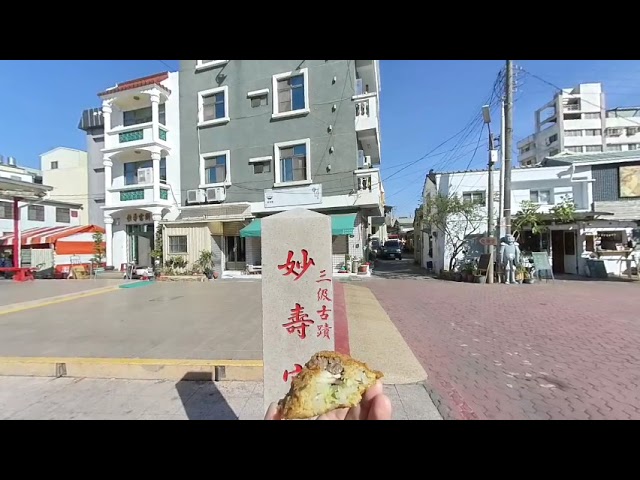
point(423, 102)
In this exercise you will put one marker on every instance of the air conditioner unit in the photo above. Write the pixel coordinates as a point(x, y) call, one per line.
point(216, 194)
point(367, 161)
point(145, 175)
point(195, 196)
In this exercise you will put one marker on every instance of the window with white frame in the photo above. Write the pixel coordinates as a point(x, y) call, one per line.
point(6, 210)
point(213, 106)
point(634, 146)
point(35, 213)
point(573, 133)
point(540, 196)
point(261, 165)
point(477, 198)
point(574, 149)
point(614, 148)
point(591, 115)
point(291, 93)
point(292, 162)
point(54, 165)
point(593, 132)
point(203, 64)
point(177, 244)
point(259, 98)
point(215, 168)
point(594, 148)
point(63, 215)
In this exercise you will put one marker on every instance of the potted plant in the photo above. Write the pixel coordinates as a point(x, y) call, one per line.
point(205, 262)
point(520, 273)
point(468, 272)
point(527, 276)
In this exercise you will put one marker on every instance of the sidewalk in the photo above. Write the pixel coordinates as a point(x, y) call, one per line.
point(38, 398)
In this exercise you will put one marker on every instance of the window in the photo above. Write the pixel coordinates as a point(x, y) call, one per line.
point(35, 213)
point(204, 64)
point(553, 138)
point(6, 211)
point(609, 239)
point(573, 133)
point(63, 215)
point(591, 116)
point(143, 115)
point(292, 163)
point(291, 93)
point(259, 98)
point(594, 148)
point(474, 197)
point(614, 148)
point(213, 106)
point(540, 196)
point(631, 131)
point(261, 165)
point(574, 149)
point(54, 165)
point(177, 244)
point(553, 151)
point(215, 169)
point(596, 132)
point(634, 146)
point(131, 170)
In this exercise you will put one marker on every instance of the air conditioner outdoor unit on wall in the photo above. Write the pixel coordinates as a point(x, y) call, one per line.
point(195, 196)
point(145, 175)
point(216, 194)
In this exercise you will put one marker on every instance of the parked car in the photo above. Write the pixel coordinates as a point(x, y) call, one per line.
point(375, 246)
point(391, 249)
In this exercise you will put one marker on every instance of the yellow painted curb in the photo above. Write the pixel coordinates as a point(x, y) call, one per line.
point(58, 299)
point(132, 368)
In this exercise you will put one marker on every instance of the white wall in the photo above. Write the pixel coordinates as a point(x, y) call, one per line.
point(172, 114)
point(6, 225)
point(70, 181)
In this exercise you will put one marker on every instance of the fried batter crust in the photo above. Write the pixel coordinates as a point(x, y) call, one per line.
point(302, 399)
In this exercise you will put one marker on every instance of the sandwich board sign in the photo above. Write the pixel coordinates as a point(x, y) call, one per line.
point(541, 262)
point(297, 295)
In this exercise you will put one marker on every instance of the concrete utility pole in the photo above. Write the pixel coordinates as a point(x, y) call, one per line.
point(507, 142)
point(486, 114)
point(500, 226)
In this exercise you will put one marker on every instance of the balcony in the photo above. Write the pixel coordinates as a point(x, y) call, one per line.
point(572, 107)
point(368, 189)
point(137, 194)
point(136, 136)
point(366, 109)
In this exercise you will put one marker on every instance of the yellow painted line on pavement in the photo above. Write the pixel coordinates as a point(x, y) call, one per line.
point(59, 299)
point(134, 361)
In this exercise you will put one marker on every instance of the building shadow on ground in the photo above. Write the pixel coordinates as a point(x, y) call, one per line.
point(201, 398)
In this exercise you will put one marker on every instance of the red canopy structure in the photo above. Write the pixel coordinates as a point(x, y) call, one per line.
point(47, 235)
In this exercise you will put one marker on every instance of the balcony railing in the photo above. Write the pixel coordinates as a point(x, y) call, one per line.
point(135, 135)
point(136, 193)
point(366, 110)
point(573, 107)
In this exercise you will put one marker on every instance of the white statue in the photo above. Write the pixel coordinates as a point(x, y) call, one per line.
point(509, 258)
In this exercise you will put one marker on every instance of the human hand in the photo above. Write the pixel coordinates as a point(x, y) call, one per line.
point(375, 405)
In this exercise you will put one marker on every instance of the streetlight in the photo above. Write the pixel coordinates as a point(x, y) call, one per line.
point(486, 116)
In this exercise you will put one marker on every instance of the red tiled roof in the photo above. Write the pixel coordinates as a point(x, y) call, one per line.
point(138, 82)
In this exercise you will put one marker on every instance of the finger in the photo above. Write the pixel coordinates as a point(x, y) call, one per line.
point(373, 392)
point(380, 408)
point(339, 414)
point(361, 411)
point(273, 412)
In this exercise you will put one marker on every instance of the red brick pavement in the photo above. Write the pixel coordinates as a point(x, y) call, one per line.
point(569, 350)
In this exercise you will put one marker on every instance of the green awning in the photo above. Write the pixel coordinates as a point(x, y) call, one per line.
point(251, 230)
point(340, 225)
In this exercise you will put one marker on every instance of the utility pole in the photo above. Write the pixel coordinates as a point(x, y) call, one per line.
point(507, 142)
point(486, 113)
point(499, 228)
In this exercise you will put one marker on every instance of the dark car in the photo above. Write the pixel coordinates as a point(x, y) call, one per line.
point(391, 249)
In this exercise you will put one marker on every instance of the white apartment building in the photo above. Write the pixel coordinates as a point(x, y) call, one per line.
point(569, 245)
point(141, 164)
point(65, 169)
point(577, 121)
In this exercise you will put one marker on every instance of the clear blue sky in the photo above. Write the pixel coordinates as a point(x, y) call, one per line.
point(423, 103)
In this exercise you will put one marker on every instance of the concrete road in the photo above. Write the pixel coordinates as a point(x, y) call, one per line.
point(95, 399)
point(404, 269)
point(211, 320)
point(17, 292)
point(563, 350)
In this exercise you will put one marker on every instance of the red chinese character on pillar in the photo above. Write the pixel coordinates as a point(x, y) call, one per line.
point(323, 294)
point(323, 273)
point(324, 330)
point(293, 373)
point(293, 267)
point(298, 321)
point(323, 313)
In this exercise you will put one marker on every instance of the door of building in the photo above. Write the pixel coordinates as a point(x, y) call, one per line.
point(236, 254)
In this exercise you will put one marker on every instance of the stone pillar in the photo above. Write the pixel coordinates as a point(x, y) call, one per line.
point(107, 163)
point(297, 295)
point(155, 115)
point(108, 238)
point(155, 156)
point(106, 116)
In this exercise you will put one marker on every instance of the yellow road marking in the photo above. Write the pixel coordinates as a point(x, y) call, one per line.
point(133, 361)
point(54, 300)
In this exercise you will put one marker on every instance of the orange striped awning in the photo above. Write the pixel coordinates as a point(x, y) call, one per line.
point(47, 235)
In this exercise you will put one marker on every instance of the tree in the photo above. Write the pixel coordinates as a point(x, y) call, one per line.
point(456, 220)
point(98, 248)
point(157, 253)
point(565, 211)
point(528, 217)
